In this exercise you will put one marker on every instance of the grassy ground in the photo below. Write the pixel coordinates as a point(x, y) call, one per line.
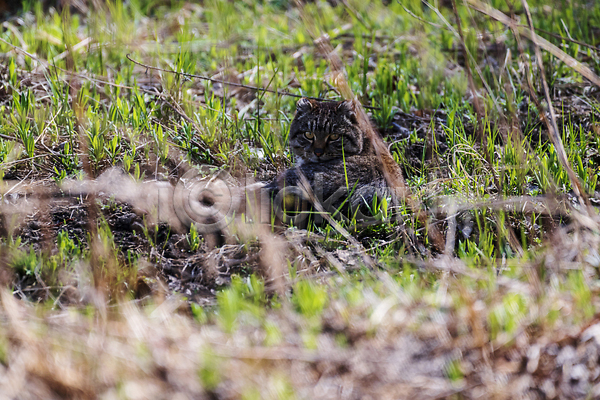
point(106, 295)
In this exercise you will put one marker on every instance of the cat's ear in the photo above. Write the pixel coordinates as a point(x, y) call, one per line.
point(304, 104)
point(349, 109)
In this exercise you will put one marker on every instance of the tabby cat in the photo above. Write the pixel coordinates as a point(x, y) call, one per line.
point(334, 155)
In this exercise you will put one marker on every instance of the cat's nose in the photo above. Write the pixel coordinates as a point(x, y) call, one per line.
point(319, 152)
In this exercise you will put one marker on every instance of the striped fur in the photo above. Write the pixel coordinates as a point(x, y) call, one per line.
point(325, 119)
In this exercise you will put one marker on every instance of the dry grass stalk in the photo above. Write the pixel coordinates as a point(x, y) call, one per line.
point(550, 123)
point(479, 109)
point(539, 41)
point(552, 126)
point(561, 55)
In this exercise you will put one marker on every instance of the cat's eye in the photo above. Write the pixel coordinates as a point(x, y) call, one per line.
point(334, 137)
point(309, 135)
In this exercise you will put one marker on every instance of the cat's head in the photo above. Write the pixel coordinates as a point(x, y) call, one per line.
point(323, 131)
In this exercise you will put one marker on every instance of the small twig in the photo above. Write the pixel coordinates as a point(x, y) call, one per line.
point(423, 20)
point(568, 39)
point(254, 88)
point(17, 184)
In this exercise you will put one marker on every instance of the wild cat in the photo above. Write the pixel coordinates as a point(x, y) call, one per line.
point(334, 156)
